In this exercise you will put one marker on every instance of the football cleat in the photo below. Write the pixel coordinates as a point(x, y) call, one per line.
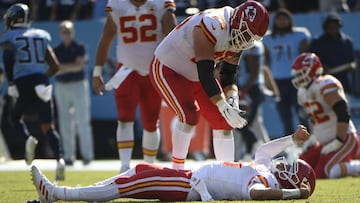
point(30, 147)
point(60, 170)
point(43, 186)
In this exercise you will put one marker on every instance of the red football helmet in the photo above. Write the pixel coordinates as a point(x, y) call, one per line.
point(290, 176)
point(249, 22)
point(306, 67)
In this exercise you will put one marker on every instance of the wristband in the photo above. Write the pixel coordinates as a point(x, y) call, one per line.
point(232, 93)
point(291, 193)
point(220, 103)
point(97, 72)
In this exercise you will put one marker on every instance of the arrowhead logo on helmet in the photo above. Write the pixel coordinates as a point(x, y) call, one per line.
point(250, 13)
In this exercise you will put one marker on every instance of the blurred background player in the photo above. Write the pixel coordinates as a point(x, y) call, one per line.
point(282, 44)
point(140, 25)
point(334, 143)
point(72, 94)
point(27, 53)
point(264, 178)
point(183, 73)
point(251, 83)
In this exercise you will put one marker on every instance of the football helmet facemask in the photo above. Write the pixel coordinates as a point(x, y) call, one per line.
point(249, 22)
point(290, 176)
point(305, 68)
point(18, 15)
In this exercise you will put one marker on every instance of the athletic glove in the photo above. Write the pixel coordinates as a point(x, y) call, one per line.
point(331, 146)
point(12, 91)
point(231, 114)
point(232, 98)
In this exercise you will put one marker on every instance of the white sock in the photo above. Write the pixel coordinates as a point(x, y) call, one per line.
point(89, 193)
point(181, 137)
point(130, 172)
point(150, 145)
point(125, 141)
point(351, 168)
point(223, 141)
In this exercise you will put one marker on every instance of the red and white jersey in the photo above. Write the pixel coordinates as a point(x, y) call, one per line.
point(234, 180)
point(323, 117)
point(139, 30)
point(177, 49)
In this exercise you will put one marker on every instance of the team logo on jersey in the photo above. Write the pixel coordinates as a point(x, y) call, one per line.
point(250, 13)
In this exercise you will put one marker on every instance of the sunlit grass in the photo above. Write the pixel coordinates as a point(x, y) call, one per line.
point(17, 187)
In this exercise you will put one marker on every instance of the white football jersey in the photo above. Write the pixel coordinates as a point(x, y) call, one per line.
point(177, 49)
point(139, 30)
point(234, 180)
point(323, 117)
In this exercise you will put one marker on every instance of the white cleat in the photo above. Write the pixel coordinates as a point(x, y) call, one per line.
point(43, 186)
point(30, 147)
point(60, 170)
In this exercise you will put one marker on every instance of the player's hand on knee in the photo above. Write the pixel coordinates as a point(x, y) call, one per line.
point(331, 146)
point(231, 114)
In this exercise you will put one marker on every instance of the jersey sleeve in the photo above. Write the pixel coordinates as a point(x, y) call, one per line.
point(211, 26)
point(47, 36)
point(329, 84)
point(169, 5)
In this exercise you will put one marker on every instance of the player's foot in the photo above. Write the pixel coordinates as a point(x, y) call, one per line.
point(124, 168)
point(60, 170)
point(30, 147)
point(43, 186)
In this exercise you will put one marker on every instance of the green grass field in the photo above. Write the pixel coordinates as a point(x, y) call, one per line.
point(16, 187)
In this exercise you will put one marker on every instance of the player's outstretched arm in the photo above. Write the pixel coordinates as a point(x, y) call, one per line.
point(278, 194)
point(268, 150)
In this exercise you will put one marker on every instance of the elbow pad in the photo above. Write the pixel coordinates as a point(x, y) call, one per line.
point(207, 79)
point(228, 74)
point(341, 111)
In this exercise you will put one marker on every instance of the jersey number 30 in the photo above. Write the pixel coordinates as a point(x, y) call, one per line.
point(33, 50)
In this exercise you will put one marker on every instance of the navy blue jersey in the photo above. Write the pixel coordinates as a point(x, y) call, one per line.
point(30, 46)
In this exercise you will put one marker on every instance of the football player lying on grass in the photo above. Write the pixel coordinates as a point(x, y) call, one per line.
point(265, 178)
